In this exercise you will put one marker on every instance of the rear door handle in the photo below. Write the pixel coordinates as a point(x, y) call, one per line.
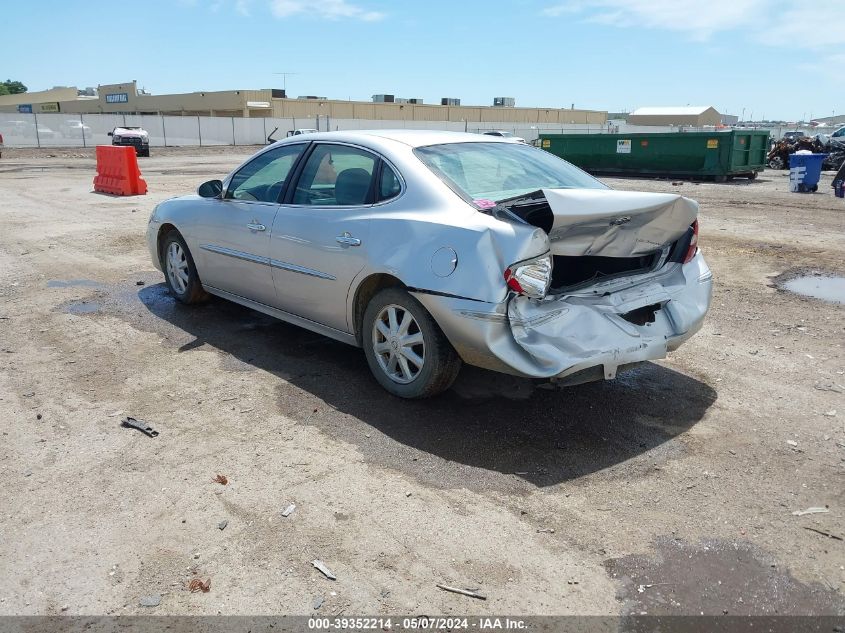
point(256, 227)
point(347, 239)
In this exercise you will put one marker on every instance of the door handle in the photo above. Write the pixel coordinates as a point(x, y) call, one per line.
point(347, 240)
point(256, 227)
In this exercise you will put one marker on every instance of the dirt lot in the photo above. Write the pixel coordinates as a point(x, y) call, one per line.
point(670, 490)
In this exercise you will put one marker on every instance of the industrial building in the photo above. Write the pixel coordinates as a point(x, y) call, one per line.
point(125, 98)
point(694, 116)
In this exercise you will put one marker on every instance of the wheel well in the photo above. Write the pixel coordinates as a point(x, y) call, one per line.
point(163, 230)
point(366, 290)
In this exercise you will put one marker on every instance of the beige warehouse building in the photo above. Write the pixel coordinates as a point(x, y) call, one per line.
point(695, 116)
point(124, 98)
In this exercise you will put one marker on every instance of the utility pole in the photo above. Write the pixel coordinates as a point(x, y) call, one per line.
point(285, 80)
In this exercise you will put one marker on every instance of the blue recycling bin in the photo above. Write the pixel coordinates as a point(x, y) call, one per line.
point(805, 170)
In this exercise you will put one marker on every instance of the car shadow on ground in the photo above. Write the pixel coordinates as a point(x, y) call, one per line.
point(489, 421)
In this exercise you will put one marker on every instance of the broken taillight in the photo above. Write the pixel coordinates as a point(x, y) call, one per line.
point(693, 244)
point(531, 277)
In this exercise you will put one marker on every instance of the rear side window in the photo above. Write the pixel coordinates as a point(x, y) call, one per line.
point(388, 185)
point(336, 175)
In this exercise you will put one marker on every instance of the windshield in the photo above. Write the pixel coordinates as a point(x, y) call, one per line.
point(485, 172)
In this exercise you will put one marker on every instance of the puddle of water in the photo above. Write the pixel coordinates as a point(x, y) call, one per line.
point(819, 287)
point(73, 283)
point(83, 307)
point(716, 578)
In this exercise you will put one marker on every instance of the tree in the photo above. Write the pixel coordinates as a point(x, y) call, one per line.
point(10, 87)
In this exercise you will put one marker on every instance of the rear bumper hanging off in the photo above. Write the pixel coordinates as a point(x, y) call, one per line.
point(587, 329)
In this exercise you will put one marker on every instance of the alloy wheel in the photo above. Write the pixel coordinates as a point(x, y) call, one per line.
point(398, 344)
point(177, 267)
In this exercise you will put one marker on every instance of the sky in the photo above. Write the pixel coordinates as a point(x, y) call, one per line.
point(772, 59)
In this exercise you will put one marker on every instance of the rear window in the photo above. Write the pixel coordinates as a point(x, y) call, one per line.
point(485, 172)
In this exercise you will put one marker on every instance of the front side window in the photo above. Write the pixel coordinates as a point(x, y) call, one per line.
point(336, 175)
point(485, 172)
point(263, 179)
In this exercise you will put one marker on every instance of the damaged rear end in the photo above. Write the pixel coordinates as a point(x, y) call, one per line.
point(623, 282)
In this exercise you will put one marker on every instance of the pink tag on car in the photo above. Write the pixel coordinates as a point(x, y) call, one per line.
point(484, 203)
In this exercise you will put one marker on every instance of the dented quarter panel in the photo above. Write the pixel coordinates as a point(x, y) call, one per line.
point(484, 247)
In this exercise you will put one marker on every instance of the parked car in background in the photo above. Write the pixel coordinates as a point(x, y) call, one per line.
point(132, 136)
point(74, 128)
point(505, 135)
point(793, 136)
point(431, 249)
point(304, 130)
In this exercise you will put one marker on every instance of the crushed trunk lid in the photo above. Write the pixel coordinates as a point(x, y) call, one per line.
point(605, 222)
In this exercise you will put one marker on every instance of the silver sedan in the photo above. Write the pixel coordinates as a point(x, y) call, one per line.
point(433, 249)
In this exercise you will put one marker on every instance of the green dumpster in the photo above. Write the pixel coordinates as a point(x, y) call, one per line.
point(717, 155)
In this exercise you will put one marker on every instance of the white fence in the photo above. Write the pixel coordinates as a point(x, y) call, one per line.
point(87, 130)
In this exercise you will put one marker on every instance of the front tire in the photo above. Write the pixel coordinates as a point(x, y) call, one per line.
point(406, 350)
point(180, 273)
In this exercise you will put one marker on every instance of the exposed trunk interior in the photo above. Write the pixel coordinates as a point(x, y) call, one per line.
point(535, 212)
point(580, 270)
point(577, 270)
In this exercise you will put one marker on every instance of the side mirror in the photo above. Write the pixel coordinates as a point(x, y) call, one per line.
point(210, 189)
point(111, 133)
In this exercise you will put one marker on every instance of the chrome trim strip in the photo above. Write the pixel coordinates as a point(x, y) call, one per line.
point(484, 316)
point(221, 250)
point(275, 263)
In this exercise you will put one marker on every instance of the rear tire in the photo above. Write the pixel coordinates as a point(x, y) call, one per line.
point(405, 348)
point(180, 273)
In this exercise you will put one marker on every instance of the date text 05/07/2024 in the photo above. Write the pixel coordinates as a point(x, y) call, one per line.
point(419, 623)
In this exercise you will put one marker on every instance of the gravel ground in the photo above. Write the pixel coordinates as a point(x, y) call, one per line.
point(670, 490)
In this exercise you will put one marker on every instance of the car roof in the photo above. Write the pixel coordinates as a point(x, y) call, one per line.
point(413, 138)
